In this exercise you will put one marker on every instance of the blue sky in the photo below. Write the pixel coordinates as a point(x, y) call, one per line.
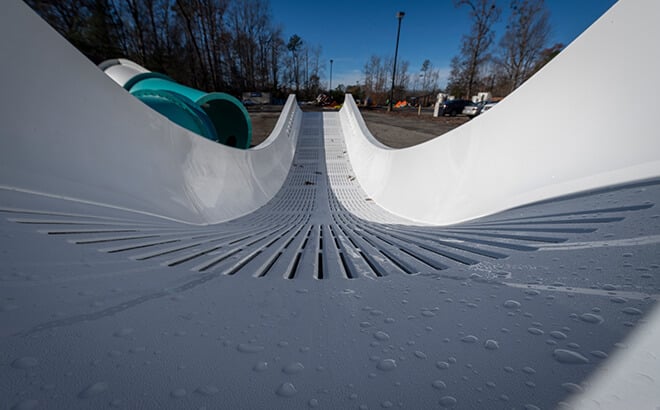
point(350, 31)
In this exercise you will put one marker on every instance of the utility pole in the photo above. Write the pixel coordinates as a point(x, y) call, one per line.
point(399, 16)
point(330, 87)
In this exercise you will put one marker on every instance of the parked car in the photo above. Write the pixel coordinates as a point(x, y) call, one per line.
point(473, 109)
point(488, 106)
point(453, 107)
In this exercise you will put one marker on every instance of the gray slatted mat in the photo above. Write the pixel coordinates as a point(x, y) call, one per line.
point(320, 223)
point(103, 307)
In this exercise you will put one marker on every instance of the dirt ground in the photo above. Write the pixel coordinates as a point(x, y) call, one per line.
point(398, 129)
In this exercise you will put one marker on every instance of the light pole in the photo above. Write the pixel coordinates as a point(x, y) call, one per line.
point(399, 16)
point(330, 88)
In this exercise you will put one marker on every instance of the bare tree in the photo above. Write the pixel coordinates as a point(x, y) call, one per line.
point(147, 32)
point(429, 77)
point(186, 11)
point(378, 73)
point(373, 74)
point(313, 68)
point(275, 47)
point(229, 45)
point(253, 37)
point(526, 35)
point(295, 46)
point(475, 46)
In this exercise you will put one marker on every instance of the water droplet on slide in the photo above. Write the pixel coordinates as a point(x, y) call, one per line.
point(512, 304)
point(572, 387)
point(470, 339)
point(491, 344)
point(286, 390)
point(442, 365)
point(558, 335)
point(382, 336)
point(448, 401)
point(439, 384)
point(592, 318)
point(293, 368)
point(599, 354)
point(386, 365)
point(569, 357)
point(632, 311)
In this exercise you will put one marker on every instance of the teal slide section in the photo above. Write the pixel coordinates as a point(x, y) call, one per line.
point(180, 110)
point(217, 116)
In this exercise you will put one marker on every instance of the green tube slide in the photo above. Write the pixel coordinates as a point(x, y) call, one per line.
point(216, 116)
point(179, 110)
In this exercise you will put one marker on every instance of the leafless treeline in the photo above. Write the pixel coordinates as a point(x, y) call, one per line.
point(235, 46)
point(484, 65)
point(378, 79)
point(227, 45)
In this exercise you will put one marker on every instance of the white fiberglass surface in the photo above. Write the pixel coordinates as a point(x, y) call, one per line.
point(577, 124)
point(75, 133)
point(145, 267)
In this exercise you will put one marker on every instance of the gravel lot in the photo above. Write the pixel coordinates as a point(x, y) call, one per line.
point(398, 129)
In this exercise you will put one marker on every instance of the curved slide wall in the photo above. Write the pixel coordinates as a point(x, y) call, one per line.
point(583, 122)
point(586, 120)
point(74, 133)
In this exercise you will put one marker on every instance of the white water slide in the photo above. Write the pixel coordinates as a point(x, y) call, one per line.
point(514, 262)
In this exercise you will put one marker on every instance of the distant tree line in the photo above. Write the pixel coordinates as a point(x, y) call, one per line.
point(483, 65)
point(235, 46)
point(378, 79)
point(214, 45)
